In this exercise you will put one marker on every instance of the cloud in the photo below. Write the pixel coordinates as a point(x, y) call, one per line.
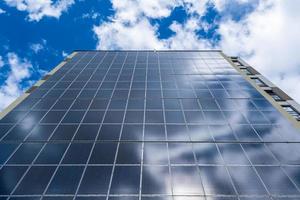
point(131, 28)
point(265, 35)
point(2, 11)
point(117, 35)
point(42, 8)
point(268, 39)
point(20, 70)
point(1, 62)
point(37, 47)
point(91, 15)
point(186, 36)
point(64, 54)
point(132, 11)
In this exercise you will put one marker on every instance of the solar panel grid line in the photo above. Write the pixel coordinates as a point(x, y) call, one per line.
point(236, 191)
point(143, 131)
point(194, 164)
point(165, 132)
point(203, 187)
point(118, 144)
point(103, 121)
point(289, 177)
point(17, 123)
point(92, 148)
point(195, 160)
point(16, 186)
point(252, 166)
point(9, 159)
point(38, 153)
point(153, 141)
point(210, 131)
point(140, 165)
point(57, 167)
point(97, 135)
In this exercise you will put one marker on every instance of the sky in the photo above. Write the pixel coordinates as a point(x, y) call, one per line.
point(35, 35)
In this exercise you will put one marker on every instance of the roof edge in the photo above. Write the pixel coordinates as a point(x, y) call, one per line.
point(151, 50)
point(23, 96)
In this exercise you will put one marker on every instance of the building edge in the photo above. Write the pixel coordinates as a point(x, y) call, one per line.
point(267, 89)
point(21, 98)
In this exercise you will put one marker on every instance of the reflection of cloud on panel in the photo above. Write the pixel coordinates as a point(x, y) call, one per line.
point(186, 180)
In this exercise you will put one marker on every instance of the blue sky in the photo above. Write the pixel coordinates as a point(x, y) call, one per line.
point(36, 35)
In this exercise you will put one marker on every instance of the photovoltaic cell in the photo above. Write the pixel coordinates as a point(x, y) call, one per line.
point(163, 125)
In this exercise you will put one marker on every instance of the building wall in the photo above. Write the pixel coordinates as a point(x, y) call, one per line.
point(150, 125)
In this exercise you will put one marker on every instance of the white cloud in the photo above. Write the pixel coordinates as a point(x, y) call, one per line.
point(185, 36)
point(20, 69)
point(91, 15)
point(64, 54)
point(2, 11)
point(132, 10)
point(1, 62)
point(268, 39)
point(117, 35)
point(130, 27)
point(37, 47)
point(37, 9)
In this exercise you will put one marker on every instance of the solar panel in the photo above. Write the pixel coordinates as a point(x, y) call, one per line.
point(148, 125)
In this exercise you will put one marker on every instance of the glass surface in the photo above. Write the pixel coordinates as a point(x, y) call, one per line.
point(52, 153)
point(156, 153)
point(103, 153)
point(163, 125)
point(156, 180)
point(77, 153)
point(9, 177)
point(181, 153)
point(282, 183)
point(25, 153)
point(35, 180)
point(87, 132)
point(246, 180)
point(186, 180)
point(132, 132)
point(125, 180)
point(129, 153)
point(95, 180)
point(6, 150)
point(64, 132)
point(65, 180)
point(41, 132)
point(109, 132)
point(155, 132)
point(215, 180)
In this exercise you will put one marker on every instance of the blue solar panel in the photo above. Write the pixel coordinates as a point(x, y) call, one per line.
point(166, 125)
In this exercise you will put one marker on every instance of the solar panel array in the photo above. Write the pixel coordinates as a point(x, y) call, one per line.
point(166, 125)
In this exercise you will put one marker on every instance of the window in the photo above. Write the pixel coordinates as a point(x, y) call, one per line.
point(246, 71)
point(259, 82)
point(274, 95)
point(237, 63)
point(292, 112)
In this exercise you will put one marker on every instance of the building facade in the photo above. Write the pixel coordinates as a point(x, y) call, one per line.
point(151, 125)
